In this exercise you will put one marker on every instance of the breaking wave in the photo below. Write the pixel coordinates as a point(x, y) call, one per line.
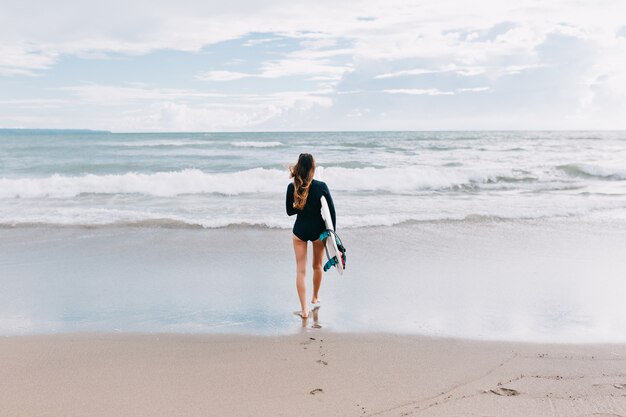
point(256, 144)
point(592, 171)
point(256, 180)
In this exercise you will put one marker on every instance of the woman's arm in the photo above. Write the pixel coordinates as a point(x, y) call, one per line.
point(289, 201)
point(331, 205)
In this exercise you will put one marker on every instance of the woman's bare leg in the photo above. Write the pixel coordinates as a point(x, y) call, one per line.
point(299, 248)
point(318, 257)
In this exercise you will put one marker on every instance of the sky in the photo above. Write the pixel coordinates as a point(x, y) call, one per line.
point(287, 65)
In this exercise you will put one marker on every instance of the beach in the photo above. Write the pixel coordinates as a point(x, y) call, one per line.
point(157, 278)
point(161, 162)
point(187, 322)
point(537, 281)
point(312, 373)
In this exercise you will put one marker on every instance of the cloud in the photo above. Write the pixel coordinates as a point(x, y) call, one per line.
point(254, 42)
point(292, 65)
point(473, 89)
point(222, 75)
point(111, 95)
point(460, 70)
point(466, 71)
point(434, 91)
point(248, 113)
point(22, 59)
point(401, 29)
point(395, 56)
point(419, 91)
point(37, 103)
point(133, 108)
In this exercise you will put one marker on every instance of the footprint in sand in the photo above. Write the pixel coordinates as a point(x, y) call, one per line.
point(504, 392)
point(322, 362)
point(616, 385)
point(601, 415)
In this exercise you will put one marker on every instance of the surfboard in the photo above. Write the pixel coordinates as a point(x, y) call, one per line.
point(332, 250)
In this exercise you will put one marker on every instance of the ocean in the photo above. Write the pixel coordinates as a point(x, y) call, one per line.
point(487, 235)
point(381, 178)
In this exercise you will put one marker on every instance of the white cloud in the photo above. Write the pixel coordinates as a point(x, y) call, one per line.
point(246, 114)
point(320, 69)
point(36, 103)
point(291, 66)
point(173, 116)
point(466, 71)
point(254, 42)
point(473, 89)
point(22, 59)
point(419, 91)
point(222, 75)
point(367, 47)
point(358, 112)
point(415, 71)
point(132, 108)
point(106, 95)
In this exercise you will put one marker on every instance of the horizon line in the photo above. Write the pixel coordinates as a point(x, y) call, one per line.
point(80, 130)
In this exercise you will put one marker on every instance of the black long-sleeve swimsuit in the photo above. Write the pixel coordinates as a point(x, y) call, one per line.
point(309, 224)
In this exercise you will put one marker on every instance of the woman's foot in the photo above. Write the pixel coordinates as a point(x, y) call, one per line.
point(316, 302)
point(302, 314)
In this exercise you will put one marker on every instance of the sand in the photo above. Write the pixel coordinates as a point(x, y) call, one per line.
point(315, 373)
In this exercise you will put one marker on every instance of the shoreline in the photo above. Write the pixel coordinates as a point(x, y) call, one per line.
point(322, 372)
point(491, 282)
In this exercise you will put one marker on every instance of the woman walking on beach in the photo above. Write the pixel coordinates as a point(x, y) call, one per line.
point(303, 199)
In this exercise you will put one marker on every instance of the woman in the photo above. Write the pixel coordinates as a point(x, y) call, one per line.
point(303, 199)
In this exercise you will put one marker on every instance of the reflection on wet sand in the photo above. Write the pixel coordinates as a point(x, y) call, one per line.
point(305, 321)
point(554, 282)
point(316, 320)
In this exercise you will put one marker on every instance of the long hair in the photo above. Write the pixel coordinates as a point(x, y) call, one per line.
point(302, 174)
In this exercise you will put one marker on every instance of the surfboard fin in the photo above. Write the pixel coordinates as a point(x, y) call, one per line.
point(331, 262)
point(334, 260)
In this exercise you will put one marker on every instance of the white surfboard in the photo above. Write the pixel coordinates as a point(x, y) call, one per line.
point(331, 244)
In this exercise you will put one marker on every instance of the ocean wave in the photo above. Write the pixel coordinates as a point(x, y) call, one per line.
point(355, 212)
point(256, 180)
point(156, 143)
point(409, 179)
point(116, 217)
point(592, 171)
point(160, 184)
point(370, 221)
point(256, 144)
point(162, 223)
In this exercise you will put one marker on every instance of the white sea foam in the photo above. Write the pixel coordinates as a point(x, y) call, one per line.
point(387, 178)
point(162, 184)
point(257, 180)
point(153, 143)
point(91, 216)
point(406, 179)
point(256, 144)
point(589, 170)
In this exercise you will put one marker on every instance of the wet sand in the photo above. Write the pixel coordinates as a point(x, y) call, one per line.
point(517, 281)
point(314, 373)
